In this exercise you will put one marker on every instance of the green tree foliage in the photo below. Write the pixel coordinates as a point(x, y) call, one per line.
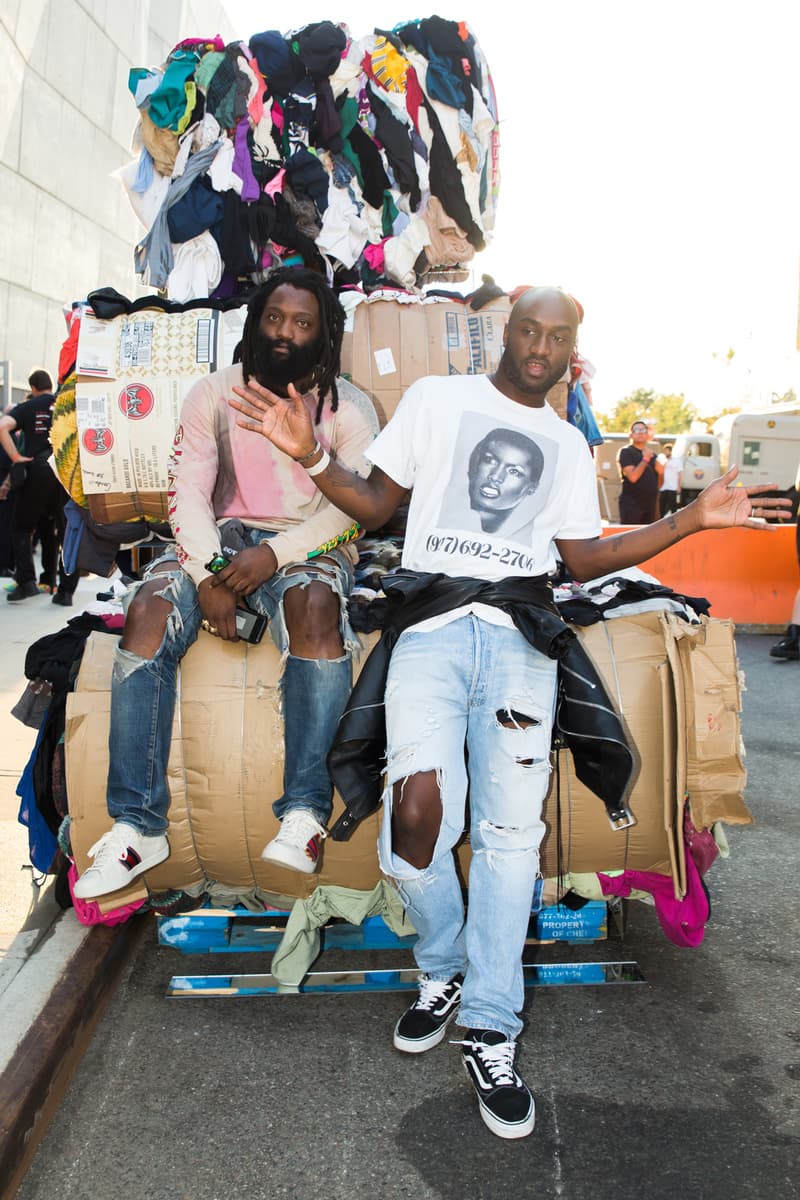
point(669, 414)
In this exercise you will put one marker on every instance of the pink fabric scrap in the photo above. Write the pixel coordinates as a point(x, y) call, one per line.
point(215, 43)
point(276, 183)
point(700, 843)
point(374, 254)
point(256, 105)
point(88, 911)
point(683, 921)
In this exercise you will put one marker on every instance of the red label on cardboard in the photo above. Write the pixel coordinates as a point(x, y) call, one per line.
point(98, 441)
point(136, 401)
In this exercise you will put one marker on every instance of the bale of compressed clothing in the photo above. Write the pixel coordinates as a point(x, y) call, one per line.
point(373, 158)
point(662, 670)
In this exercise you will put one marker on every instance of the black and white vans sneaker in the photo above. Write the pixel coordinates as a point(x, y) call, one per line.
point(506, 1104)
point(424, 1024)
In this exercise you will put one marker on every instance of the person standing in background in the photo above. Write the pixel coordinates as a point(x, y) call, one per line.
point(637, 468)
point(788, 647)
point(38, 495)
point(668, 469)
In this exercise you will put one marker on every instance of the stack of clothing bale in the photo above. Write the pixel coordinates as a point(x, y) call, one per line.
point(375, 159)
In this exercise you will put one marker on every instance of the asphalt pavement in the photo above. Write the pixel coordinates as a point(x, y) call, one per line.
point(685, 1087)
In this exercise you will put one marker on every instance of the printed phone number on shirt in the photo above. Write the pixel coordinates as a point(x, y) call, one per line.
point(448, 544)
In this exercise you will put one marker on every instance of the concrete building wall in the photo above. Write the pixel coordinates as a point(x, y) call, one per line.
point(66, 120)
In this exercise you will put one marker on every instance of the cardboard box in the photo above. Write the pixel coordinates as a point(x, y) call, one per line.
point(226, 765)
point(389, 344)
point(132, 375)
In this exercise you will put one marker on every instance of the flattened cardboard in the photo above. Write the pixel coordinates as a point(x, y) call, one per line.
point(630, 656)
point(715, 771)
point(132, 375)
point(226, 762)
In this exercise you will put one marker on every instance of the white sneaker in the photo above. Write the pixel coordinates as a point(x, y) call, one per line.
point(297, 843)
point(119, 856)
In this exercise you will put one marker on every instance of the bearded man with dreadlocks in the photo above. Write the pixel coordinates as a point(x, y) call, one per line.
point(249, 523)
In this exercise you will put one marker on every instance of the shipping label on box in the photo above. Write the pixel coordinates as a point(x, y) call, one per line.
point(473, 341)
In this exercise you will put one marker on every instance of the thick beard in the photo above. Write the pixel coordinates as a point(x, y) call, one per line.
point(276, 372)
point(539, 387)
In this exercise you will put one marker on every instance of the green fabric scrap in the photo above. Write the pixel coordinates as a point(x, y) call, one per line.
point(300, 943)
point(206, 68)
point(168, 102)
point(191, 101)
point(390, 214)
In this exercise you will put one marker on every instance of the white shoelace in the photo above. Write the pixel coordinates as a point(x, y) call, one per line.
point(430, 990)
point(110, 845)
point(498, 1060)
point(300, 825)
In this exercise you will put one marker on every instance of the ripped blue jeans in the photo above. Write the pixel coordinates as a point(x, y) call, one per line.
point(143, 691)
point(472, 686)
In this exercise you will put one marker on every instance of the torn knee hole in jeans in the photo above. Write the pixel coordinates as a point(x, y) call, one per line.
point(125, 663)
point(399, 785)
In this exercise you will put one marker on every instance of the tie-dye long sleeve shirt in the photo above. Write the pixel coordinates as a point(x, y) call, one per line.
point(219, 471)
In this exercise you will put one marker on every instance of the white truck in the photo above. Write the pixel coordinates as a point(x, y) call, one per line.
point(764, 445)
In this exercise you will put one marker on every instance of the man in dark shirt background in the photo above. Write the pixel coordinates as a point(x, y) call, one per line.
point(640, 482)
point(38, 498)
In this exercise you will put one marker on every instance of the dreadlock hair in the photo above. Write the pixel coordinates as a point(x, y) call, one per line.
point(331, 315)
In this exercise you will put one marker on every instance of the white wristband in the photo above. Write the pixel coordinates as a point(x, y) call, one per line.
point(320, 466)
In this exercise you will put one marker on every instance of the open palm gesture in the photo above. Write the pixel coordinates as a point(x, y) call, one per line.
point(724, 503)
point(286, 422)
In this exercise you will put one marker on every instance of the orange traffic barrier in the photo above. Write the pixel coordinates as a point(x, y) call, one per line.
point(748, 575)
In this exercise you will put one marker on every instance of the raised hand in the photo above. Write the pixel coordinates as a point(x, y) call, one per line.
point(723, 504)
point(284, 422)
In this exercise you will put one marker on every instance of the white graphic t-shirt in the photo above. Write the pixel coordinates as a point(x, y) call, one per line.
point(494, 482)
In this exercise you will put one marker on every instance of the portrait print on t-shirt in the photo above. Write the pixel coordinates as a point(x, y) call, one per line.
point(499, 480)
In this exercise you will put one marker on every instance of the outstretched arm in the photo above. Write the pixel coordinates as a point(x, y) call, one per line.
point(721, 506)
point(287, 424)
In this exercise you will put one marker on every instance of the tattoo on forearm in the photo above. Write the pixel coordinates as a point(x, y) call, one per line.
point(672, 521)
point(342, 477)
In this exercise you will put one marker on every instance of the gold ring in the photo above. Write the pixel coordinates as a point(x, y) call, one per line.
point(209, 628)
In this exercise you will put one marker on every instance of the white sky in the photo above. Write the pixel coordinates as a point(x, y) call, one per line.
point(650, 165)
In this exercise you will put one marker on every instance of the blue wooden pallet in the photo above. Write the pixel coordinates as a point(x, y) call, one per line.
point(238, 930)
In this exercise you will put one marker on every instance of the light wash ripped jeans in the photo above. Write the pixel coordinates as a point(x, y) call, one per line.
point(483, 687)
point(143, 691)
